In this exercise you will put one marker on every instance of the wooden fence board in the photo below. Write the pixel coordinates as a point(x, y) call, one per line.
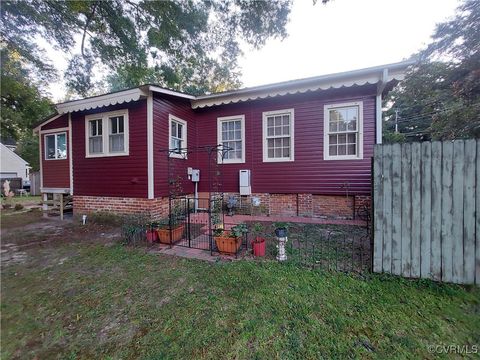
point(387, 210)
point(447, 211)
point(477, 219)
point(397, 209)
point(457, 211)
point(378, 211)
point(406, 210)
point(469, 213)
point(426, 210)
point(436, 220)
point(416, 203)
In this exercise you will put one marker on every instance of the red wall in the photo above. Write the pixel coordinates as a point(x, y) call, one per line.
point(181, 108)
point(124, 176)
point(55, 173)
point(309, 173)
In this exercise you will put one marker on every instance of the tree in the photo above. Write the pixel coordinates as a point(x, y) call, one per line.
point(184, 44)
point(440, 96)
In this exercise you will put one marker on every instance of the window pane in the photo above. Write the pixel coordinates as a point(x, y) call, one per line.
point(120, 124)
point(238, 125)
point(352, 114)
point(278, 142)
point(271, 143)
point(352, 125)
point(286, 152)
point(270, 131)
point(342, 126)
point(286, 130)
point(270, 153)
point(352, 149)
point(342, 114)
point(342, 149)
point(278, 130)
point(352, 138)
point(333, 126)
point(173, 128)
point(278, 152)
point(333, 115)
point(99, 127)
point(95, 145)
point(342, 138)
point(61, 146)
point(278, 120)
point(286, 120)
point(224, 126)
point(113, 125)
point(270, 121)
point(286, 141)
point(179, 131)
point(332, 139)
point(333, 150)
point(116, 143)
point(50, 151)
point(238, 135)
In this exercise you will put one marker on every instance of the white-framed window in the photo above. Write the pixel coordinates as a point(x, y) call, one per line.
point(56, 146)
point(343, 131)
point(278, 135)
point(106, 134)
point(177, 135)
point(231, 135)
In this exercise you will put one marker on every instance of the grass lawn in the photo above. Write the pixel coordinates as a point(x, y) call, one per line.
point(92, 298)
point(25, 199)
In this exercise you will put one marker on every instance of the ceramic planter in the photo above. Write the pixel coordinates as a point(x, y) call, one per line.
point(164, 234)
point(227, 244)
point(151, 236)
point(258, 246)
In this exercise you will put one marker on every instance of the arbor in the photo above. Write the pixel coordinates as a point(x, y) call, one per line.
point(440, 96)
point(184, 44)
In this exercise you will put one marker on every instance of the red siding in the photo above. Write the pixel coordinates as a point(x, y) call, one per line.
point(118, 175)
point(55, 173)
point(309, 173)
point(162, 107)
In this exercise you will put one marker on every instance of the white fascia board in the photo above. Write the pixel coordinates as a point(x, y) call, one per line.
point(95, 102)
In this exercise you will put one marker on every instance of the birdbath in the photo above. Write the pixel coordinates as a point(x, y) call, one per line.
point(282, 256)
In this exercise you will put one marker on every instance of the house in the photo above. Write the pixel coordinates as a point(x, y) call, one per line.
point(307, 144)
point(12, 165)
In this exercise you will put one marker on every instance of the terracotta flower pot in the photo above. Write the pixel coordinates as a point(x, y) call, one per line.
point(164, 234)
point(258, 246)
point(227, 244)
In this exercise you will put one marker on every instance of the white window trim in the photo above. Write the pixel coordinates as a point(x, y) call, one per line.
point(184, 135)
point(292, 135)
point(106, 132)
point(326, 132)
point(222, 119)
point(56, 143)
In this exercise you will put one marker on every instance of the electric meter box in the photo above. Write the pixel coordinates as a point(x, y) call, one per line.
point(195, 175)
point(245, 187)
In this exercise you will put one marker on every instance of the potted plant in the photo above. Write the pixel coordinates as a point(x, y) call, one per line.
point(281, 229)
point(258, 243)
point(229, 241)
point(165, 229)
point(151, 232)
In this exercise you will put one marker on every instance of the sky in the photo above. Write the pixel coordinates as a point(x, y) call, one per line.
point(340, 36)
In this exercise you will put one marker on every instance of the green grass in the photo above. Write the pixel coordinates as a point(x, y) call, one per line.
point(88, 300)
point(13, 219)
point(24, 199)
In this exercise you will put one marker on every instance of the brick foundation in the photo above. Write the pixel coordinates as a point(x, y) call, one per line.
point(155, 208)
point(305, 205)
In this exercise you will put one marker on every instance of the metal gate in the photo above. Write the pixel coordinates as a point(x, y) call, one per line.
point(192, 220)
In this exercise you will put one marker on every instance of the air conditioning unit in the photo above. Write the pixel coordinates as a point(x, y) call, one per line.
point(245, 187)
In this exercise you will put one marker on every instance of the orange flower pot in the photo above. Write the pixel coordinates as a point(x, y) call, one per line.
point(227, 244)
point(177, 234)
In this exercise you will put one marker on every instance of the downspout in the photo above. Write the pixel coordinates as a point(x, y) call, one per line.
point(378, 106)
point(151, 185)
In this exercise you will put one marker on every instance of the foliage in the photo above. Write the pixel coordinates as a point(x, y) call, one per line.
point(18, 207)
point(440, 96)
point(238, 230)
point(185, 45)
point(280, 225)
point(22, 104)
point(133, 229)
point(120, 303)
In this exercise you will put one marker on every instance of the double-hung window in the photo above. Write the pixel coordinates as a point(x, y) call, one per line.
point(56, 146)
point(278, 135)
point(343, 131)
point(231, 136)
point(107, 134)
point(178, 137)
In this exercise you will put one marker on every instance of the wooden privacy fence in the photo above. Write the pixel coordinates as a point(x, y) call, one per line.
point(427, 210)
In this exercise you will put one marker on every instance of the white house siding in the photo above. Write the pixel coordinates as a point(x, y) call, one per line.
point(12, 165)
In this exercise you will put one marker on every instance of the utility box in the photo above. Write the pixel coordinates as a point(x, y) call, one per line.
point(195, 175)
point(245, 186)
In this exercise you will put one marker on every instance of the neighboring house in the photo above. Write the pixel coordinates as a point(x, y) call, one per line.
point(12, 165)
point(308, 143)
